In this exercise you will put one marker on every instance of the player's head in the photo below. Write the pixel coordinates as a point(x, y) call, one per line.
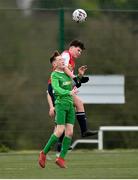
point(75, 48)
point(53, 57)
point(57, 61)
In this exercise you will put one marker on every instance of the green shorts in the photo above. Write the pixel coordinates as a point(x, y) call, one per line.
point(65, 113)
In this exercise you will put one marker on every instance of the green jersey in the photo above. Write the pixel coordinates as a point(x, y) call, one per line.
point(62, 85)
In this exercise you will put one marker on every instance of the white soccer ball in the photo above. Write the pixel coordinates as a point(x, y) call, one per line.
point(79, 15)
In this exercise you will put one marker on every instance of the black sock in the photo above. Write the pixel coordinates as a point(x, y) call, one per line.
point(59, 143)
point(81, 117)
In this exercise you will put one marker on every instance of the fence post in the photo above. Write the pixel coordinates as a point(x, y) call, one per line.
point(100, 138)
point(61, 30)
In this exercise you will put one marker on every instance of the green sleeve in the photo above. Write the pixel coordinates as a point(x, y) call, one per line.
point(57, 88)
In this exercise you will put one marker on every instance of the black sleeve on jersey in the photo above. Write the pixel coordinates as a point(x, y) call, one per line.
point(50, 91)
point(84, 79)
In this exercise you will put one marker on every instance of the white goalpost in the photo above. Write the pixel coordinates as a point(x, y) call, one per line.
point(103, 129)
point(100, 140)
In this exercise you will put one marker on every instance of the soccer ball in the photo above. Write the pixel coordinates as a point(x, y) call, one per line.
point(79, 15)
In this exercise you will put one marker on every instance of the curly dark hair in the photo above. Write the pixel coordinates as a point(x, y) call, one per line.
point(77, 43)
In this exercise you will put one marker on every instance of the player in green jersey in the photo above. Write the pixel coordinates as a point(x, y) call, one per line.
point(65, 111)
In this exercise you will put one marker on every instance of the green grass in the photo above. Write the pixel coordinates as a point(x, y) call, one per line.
point(82, 164)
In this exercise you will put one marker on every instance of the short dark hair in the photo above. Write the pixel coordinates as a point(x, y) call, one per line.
point(77, 43)
point(53, 57)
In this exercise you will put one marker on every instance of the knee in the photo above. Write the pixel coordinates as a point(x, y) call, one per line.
point(78, 102)
point(69, 133)
point(58, 132)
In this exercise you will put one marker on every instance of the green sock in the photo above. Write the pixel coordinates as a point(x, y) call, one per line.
point(52, 140)
point(65, 146)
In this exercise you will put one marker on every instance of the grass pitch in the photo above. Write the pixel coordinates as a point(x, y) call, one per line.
point(82, 164)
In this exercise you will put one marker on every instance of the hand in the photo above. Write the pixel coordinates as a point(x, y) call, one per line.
point(74, 91)
point(52, 112)
point(81, 70)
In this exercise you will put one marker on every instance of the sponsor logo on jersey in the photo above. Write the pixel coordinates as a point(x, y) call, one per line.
point(66, 83)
